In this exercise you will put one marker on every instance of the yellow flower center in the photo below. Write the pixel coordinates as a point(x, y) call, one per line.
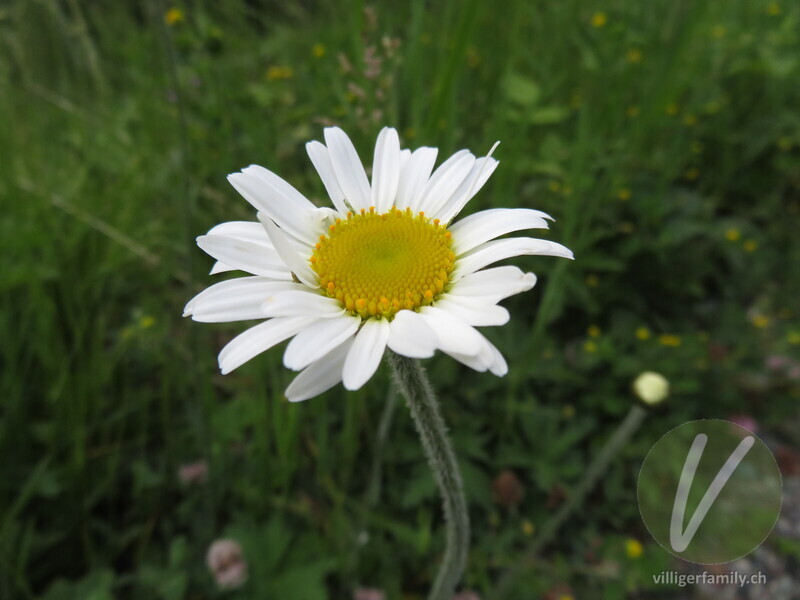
point(379, 264)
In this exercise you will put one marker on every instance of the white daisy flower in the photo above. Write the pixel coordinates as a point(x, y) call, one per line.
point(384, 268)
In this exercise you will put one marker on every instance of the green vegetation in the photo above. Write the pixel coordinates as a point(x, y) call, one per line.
point(663, 136)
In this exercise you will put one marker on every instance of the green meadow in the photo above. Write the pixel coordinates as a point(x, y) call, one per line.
point(662, 136)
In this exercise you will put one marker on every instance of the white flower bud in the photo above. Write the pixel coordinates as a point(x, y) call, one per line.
point(651, 387)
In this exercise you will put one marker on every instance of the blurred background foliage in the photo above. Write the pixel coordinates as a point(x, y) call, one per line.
point(663, 136)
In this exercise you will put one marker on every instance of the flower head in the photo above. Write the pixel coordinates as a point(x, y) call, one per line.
point(507, 489)
point(194, 472)
point(227, 564)
point(369, 594)
point(173, 16)
point(384, 268)
point(633, 548)
point(651, 387)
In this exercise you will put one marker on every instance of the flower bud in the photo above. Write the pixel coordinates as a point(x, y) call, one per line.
point(651, 388)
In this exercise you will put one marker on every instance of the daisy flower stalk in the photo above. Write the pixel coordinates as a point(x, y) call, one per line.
point(385, 270)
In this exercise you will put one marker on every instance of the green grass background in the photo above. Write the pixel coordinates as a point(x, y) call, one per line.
point(663, 136)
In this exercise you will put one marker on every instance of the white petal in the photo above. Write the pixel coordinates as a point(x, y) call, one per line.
point(319, 376)
point(491, 252)
point(321, 160)
point(348, 168)
point(489, 358)
point(452, 333)
point(247, 231)
point(404, 156)
point(259, 338)
point(481, 171)
point(415, 174)
point(277, 199)
point(296, 263)
point(477, 312)
point(498, 366)
point(364, 357)
point(410, 335)
point(444, 182)
point(221, 267)
point(476, 362)
point(246, 256)
point(235, 300)
point(301, 302)
point(486, 225)
point(385, 170)
point(316, 341)
point(493, 284)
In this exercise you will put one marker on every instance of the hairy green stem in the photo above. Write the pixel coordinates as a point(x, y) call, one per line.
point(410, 378)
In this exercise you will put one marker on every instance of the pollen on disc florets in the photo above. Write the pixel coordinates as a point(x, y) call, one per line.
point(377, 264)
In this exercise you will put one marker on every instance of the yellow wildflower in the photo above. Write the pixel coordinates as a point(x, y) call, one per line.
point(633, 55)
point(624, 194)
point(773, 9)
point(590, 346)
point(750, 245)
point(318, 50)
point(669, 340)
point(671, 109)
point(599, 19)
point(528, 528)
point(173, 16)
point(633, 548)
point(733, 234)
point(594, 331)
point(760, 321)
point(642, 333)
point(633, 111)
point(275, 73)
point(692, 173)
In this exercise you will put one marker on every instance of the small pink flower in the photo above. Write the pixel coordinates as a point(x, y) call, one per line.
point(777, 362)
point(745, 421)
point(227, 564)
point(194, 472)
point(369, 594)
point(466, 595)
